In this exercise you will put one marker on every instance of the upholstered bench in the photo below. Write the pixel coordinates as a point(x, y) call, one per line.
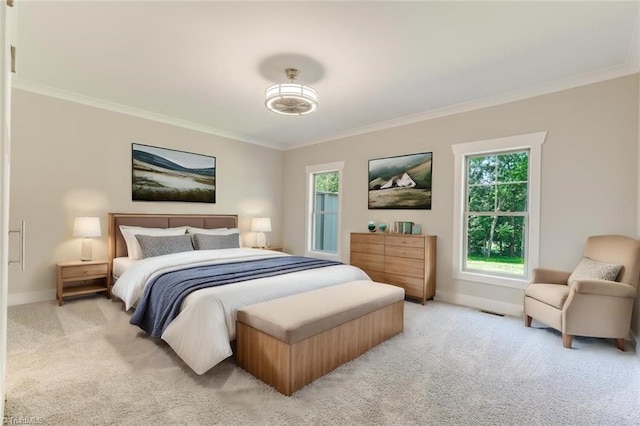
point(289, 342)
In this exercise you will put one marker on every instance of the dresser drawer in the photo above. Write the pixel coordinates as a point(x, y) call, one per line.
point(84, 271)
point(372, 262)
point(367, 239)
point(413, 287)
point(367, 248)
point(404, 241)
point(403, 266)
point(377, 276)
point(408, 252)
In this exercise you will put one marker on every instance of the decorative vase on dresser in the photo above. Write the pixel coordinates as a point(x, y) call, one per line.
point(408, 261)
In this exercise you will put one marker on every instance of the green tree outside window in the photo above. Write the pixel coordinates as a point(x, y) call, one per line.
point(496, 212)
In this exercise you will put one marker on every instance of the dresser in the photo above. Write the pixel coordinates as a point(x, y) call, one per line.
point(408, 261)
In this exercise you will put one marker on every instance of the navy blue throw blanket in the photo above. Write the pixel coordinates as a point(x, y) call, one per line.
point(160, 303)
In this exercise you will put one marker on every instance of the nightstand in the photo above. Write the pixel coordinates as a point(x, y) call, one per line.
point(270, 248)
point(89, 277)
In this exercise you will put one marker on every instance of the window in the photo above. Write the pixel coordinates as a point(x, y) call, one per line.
point(496, 228)
point(323, 210)
point(496, 213)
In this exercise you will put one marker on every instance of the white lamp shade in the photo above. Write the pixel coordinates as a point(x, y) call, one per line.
point(86, 227)
point(261, 224)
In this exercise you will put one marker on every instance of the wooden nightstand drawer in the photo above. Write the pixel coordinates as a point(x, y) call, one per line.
point(84, 271)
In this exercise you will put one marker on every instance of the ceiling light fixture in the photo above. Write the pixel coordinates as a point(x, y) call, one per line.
point(291, 98)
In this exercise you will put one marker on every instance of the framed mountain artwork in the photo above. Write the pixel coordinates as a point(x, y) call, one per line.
point(161, 174)
point(402, 182)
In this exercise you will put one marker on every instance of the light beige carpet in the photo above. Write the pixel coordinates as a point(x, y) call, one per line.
point(82, 363)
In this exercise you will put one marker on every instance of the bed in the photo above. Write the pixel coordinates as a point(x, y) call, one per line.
point(202, 332)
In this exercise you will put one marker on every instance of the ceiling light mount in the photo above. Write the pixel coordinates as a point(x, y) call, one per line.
point(291, 98)
point(292, 74)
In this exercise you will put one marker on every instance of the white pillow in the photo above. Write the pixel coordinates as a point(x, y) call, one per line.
point(133, 247)
point(215, 231)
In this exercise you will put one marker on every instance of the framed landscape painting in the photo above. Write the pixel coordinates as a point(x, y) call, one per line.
point(402, 182)
point(160, 174)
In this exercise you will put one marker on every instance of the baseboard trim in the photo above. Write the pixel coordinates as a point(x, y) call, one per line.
point(480, 303)
point(31, 297)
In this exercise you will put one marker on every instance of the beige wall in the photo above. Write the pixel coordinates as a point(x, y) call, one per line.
point(589, 177)
point(73, 160)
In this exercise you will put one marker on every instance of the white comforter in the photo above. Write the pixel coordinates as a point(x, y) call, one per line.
point(201, 333)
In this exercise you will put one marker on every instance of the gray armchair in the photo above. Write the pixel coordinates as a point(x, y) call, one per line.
point(588, 307)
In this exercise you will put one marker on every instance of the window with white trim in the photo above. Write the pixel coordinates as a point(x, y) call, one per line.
point(497, 209)
point(324, 210)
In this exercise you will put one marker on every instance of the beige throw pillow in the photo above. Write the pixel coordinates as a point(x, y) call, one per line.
point(589, 269)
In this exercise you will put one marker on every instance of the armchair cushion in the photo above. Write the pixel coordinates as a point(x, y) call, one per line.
point(550, 294)
point(590, 269)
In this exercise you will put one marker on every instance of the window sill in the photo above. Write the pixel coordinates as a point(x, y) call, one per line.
point(519, 283)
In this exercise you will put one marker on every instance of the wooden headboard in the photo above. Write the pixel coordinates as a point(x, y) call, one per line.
point(117, 246)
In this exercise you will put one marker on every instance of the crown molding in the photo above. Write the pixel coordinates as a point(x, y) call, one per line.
point(494, 100)
point(41, 89)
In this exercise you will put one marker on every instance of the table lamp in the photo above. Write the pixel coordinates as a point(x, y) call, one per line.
point(261, 225)
point(86, 227)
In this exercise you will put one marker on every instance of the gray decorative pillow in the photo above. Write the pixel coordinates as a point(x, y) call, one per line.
point(589, 269)
point(151, 246)
point(215, 242)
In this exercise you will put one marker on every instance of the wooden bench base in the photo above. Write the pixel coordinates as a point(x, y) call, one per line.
point(290, 367)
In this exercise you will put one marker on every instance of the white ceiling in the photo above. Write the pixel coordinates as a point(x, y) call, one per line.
point(206, 64)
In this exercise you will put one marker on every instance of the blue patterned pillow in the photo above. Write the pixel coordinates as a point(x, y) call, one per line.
point(215, 242)
point(157, 246)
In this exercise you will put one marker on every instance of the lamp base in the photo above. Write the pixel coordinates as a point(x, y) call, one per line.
point(86, 250)
point(261, 240)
